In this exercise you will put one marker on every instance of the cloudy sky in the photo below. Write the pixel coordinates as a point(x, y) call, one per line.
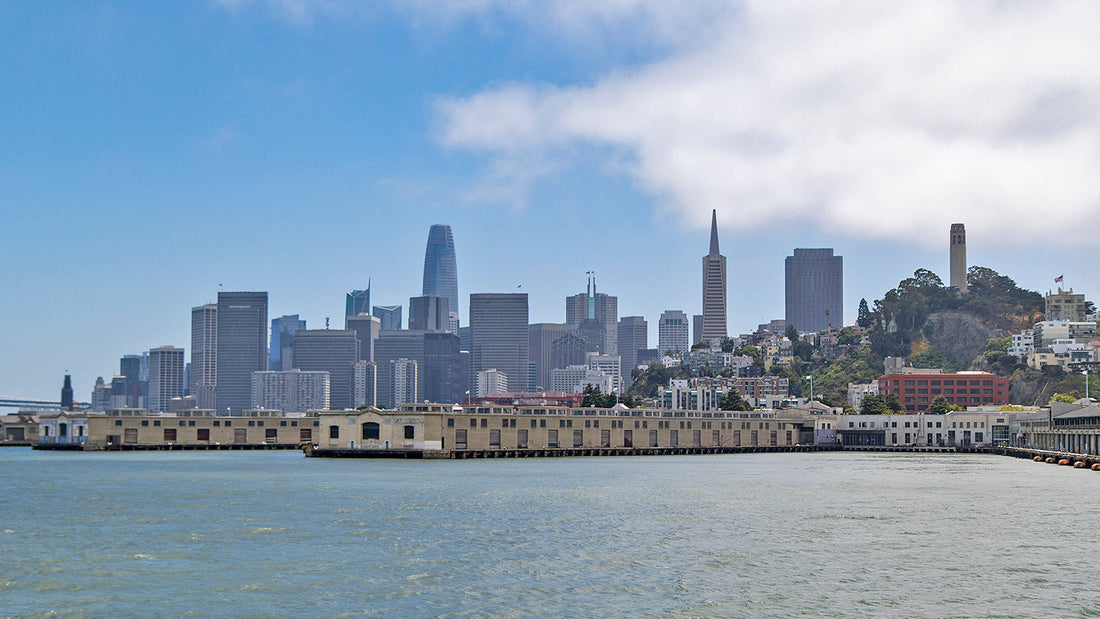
point(152, 152)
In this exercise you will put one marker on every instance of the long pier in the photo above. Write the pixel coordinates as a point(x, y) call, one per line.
point(474, 454)
point(168, 447)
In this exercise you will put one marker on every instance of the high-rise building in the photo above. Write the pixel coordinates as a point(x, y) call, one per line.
point(282, 340)
point(366, 384)
point(540, 338)
point(714, 287)
point(672, 333)
point(814, 290)
point(67, 393)
point(389, 315)
point(357, 302)
point(329, 350)
point(633, 336)
point(595, 316)
point(101, 395)
point(429, 313)
point(204, 354)
point(403, 382)
point(490, 381)
point(366, 328)
point(444, 374)
point(499, 335)
point(440, 268)
point(241, 347)
point(696, 329)
point(610, 365)
point(165, 377)
point(136, 388)
point(292, 391)
point(958, 258)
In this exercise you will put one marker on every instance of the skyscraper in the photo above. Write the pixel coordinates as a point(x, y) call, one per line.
point(67, 393)
point(714, 287)
point(390, 315)
point(282, 339)
point(958, 258)
point(595, 316)
point(357, 302)
point(334, 351)
point(366, 328)
point(204, 354)
point(242, 347)
point(540, 338)
point(672, 333)
point(815, 290)
point(440, 267)
point(165, 377)
point(633, 336)
point(429, 313)
point(499, 336)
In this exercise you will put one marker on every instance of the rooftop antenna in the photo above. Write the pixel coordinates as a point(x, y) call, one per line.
point(326, 323)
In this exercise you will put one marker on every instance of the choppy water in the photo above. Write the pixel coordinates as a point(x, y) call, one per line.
point(831, 534)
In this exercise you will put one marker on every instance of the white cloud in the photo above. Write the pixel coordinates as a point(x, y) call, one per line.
point(887, 120)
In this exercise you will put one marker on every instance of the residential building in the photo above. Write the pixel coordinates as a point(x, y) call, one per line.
point(672, 333)
point(402, 378)
point(857, 391)
point(366, 384)
point(291, 391)
point(1065, 305)
point(1023, 343)
point(241, 347)
point(714, 287)
point(814, 290)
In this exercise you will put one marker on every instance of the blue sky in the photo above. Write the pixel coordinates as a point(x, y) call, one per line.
point(150, 152)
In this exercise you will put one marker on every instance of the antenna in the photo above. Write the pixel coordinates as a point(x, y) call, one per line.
point(326, 323)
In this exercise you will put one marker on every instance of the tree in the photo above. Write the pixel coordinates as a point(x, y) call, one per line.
point(792, 333)
point(732, 401)
point(848, 335)
point(864, 319)
point(940, 405)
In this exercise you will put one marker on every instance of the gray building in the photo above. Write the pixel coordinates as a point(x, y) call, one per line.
point(357, 302)
point(290, 391)
point(595, 316)
point(329, 350)
point(389, 315)
point(672, 333)
point(958, 258)
point(242, 347)
point(714, 287)
point(204, 354)
point(814, 290)
point(499, 335)
point(429, 313)
point(282, 340)
point(540, 338)
point(366, 328)
point(165, 377)
point(633, 336)
point(366, 384)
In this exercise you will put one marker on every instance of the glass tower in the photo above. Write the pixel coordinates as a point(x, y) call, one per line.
point(440, 268)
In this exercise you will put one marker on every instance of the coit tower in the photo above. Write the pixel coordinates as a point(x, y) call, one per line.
point(958, 257)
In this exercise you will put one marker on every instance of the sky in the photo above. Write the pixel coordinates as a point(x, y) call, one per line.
point(154, 153)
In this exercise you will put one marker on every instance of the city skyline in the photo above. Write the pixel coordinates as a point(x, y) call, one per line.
point(234, 138)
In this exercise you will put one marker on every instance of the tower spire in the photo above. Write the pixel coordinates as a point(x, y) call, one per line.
point(714, 232)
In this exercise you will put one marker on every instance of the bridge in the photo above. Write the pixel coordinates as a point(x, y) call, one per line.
point(11, 402)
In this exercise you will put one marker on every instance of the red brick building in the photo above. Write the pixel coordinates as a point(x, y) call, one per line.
point(916, 391)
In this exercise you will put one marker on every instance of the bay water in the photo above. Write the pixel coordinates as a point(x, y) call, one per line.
point(767, 535)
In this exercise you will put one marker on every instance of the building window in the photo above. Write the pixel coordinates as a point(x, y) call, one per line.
point(371, 430)
point(410, 432)
point(334, 431)
point(144, 422)
point(169, 435)
point(203, 434)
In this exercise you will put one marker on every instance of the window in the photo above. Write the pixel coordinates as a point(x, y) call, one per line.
point(628, 438)
point(169, 435)
point(217, 423)
point(460, 439)
point(271, 434)
point(371, 430)
point(229, 422)
point(715, 438)
point(251, 423)
point(305, 435)
point(473, 422)
point(450, 422)
point(203, 434)
point(144, 422)
point(410, 433)
point(334, 431)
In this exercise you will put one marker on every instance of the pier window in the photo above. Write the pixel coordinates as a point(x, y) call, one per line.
point(169, 435)
point(334, 431)
point(534, 423)
point(144, 423)
point(485, 422)
point(473, 422)
point(450, 422)
point(371, 430)
point(410, 432)
point(202, 434)
point(305, 435)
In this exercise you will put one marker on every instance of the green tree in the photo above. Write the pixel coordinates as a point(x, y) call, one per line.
point(940, 405)
point(848, 335)
point(732, 401)
point(864, 318)
point(792, 333)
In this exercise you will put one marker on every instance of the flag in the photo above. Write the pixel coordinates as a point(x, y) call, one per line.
point(1058, 280)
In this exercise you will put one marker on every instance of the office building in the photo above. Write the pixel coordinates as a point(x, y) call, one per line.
point(696, 329)
point(135, 386)
point(499, 335)
point(241, 347)
point(441, 270)
point(595, 316)
point(366, 328)
point(672, 333)
point(402, 379)
point(429, 313)
point(290, 391)
point(610, 365)
point(714, 287)
point(329, 350)
point(282, 340)
point(633, 336)
point(366, 384)
point(389, 315)
point(540, 338)
point(814, 290)
point(444, 373)
point(67, 393)
point(204, 354)
point(958, 258)
point(165, 377)
point(357, 302)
